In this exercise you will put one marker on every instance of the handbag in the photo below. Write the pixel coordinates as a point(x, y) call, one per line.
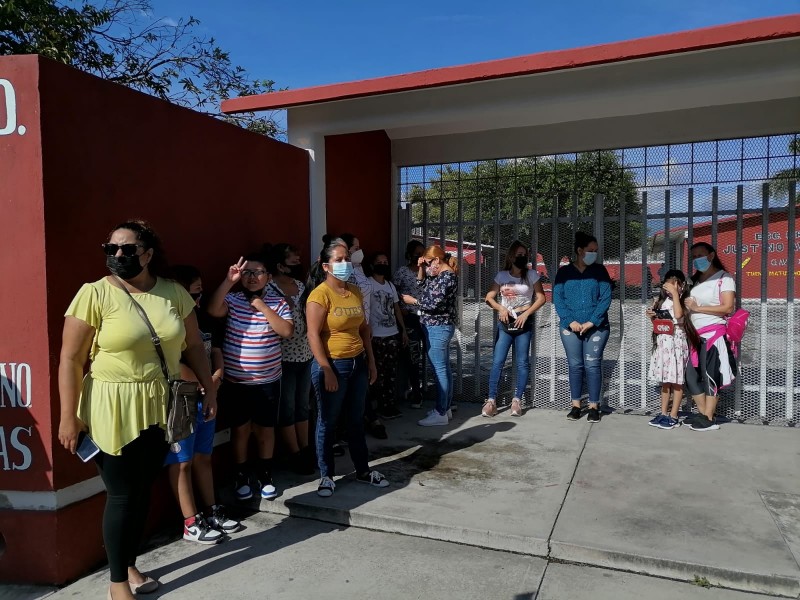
point(515, 331)
point(182, 394)
point(663, 327)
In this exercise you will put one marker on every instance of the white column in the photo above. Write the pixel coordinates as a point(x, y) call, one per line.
point(314, 143)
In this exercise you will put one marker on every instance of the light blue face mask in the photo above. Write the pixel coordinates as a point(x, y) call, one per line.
point(590, 257)
point(342, 270)
point(701, 263)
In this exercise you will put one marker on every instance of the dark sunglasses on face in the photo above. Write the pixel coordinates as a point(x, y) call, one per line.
point(127, 249)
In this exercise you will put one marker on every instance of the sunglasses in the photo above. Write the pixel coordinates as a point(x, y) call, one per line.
point(127, 249)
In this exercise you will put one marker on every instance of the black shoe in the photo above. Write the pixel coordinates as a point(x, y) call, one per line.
point(574, 414)
point(389, 412)
point(703, 423)
point(416, 400)
point(593, 416)
point(691, 418)
point(377, 430)
point(221, 522)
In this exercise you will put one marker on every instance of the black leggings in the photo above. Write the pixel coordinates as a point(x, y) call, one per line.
point(128, 479)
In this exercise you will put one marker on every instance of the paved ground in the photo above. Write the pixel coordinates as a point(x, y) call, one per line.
point(516, 508)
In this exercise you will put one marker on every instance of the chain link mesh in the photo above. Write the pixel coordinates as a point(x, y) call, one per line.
point(646, 206)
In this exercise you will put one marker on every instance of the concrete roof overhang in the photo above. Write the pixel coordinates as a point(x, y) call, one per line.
point(729, 81)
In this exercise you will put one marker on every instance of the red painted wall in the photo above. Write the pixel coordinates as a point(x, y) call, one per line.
point(95, 154)
point(358, 188)
point(25, 440)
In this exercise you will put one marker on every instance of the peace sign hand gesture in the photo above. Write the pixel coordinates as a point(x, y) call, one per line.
point(235, 271)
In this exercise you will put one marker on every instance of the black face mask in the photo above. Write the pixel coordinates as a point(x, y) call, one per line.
point(520, 262)
point(295, 272)
point(382, 270)
point(250, 295)
point(124, 267)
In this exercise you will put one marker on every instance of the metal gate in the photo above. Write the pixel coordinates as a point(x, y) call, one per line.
point(646, 206)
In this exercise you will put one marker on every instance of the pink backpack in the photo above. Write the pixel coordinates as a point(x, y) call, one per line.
point(736, 325)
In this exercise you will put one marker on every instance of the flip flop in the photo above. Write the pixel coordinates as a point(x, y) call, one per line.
point(148, 586)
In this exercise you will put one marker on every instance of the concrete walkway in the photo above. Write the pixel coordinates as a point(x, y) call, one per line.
point(512, 508)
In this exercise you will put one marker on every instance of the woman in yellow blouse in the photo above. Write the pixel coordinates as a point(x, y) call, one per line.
point(122, 401)
point(343, 365)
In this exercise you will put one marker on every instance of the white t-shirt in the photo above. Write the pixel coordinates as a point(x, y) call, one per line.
point(381, 314)
point(708, 293)
point(515, 291)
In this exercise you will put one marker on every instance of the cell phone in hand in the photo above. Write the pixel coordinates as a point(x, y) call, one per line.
point(86, 449)
point(663, 314)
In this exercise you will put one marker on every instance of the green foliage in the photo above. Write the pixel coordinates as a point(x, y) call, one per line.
point(779, 183)
point(513, 189)
point(701, 582)
point(122, 41)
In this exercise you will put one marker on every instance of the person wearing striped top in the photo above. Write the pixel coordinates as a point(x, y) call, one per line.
point(252, 354)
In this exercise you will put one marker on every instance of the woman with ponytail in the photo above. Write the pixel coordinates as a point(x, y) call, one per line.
point(711, 364)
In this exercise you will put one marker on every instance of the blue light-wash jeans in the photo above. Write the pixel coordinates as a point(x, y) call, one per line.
point(522, 348)
point(353, 378)
point(585, 357)
point(437, 343)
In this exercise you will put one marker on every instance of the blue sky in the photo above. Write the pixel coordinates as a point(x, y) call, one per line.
point(300, 44)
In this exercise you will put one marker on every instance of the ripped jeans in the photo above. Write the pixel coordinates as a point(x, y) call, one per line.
point(585, 355)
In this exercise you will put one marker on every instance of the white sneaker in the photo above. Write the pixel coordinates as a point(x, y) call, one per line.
point(434, 419)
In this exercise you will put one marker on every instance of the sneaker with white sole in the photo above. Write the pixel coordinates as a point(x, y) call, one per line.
point(434, 419)
point(326, 487)
point(373, 478)
point(242, 487)
point(196, 529)
point(222, 522)
point(703, 423)
point(268, 490)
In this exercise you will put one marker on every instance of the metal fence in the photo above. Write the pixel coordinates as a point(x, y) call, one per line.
point(646, 206)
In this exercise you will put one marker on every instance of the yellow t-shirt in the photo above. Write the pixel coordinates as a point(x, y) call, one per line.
point(125, 391)
point(344, 316)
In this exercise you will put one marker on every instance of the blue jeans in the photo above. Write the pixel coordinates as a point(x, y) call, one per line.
point(522, 347)
point(437, 342)
point(585, 355)
point(353, 379)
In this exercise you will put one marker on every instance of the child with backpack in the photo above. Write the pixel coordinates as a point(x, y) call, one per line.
point(670, 347)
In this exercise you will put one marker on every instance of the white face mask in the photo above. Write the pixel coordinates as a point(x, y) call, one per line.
point(357, 257)
point(590, 257)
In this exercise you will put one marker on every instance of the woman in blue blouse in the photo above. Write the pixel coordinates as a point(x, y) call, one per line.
point(438, 280)
point(582, 296)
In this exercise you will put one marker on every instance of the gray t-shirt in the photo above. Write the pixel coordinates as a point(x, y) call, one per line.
point(381, 315)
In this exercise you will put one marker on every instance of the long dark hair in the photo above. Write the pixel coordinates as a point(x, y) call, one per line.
point(511, 255)
point(148, 236)
point(411, 247)
point(317, 274)
point(691, 332)
point(583, 239)
point(716, 263)
point(276, 255)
